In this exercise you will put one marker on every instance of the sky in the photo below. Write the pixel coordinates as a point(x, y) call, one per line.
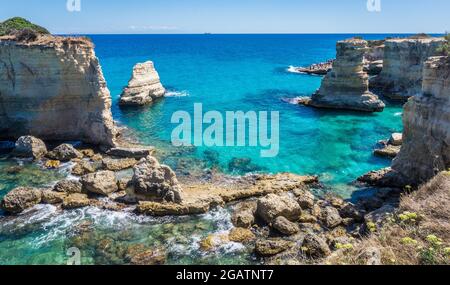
point(232, 16)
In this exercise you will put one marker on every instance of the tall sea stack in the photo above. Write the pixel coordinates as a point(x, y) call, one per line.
point(53, 88)
point(347, 85)
point(426, 137)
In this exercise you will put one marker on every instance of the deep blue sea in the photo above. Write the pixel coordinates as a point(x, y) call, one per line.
point(224, 73)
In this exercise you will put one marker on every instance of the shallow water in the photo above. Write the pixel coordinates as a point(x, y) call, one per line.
point(225, 73)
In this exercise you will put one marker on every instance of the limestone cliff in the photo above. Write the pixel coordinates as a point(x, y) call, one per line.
point(144, 86)
point(53, 88)
point(401, 76)
point(347, 85)
point(426, 137)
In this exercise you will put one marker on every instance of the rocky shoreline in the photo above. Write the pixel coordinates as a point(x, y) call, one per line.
point(277, 216)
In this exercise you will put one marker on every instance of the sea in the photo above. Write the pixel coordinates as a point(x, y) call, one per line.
point(224, 73)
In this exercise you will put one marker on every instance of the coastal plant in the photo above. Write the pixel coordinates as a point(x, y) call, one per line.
point(445, 48)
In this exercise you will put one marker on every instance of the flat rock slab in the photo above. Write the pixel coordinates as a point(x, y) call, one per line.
point(200, 198)
point(137, 153)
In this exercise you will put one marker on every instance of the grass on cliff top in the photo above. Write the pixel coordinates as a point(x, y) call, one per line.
point(417, 234)
point(18, 24)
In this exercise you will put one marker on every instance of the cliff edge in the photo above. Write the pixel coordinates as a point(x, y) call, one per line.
point(53, 88)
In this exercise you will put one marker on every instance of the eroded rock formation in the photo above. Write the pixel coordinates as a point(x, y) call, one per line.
point(426, 136)
point(347, 85)
point(144, 86)
point(53, 88)
point(401, 76)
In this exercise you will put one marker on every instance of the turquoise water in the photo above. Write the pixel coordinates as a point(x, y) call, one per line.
point(248, 73)
point(225, 73)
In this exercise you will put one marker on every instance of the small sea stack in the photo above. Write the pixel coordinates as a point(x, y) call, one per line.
point(144, 86)
point(347, 85)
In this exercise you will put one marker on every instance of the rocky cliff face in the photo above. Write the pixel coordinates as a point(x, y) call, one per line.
point(426, 138)
point(401, 76)
point(144, 86)
point(53, 88)
point(347, 85)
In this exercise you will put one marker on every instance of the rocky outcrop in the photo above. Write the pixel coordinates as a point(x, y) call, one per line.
point(28, 146)
point(64, 152)
point(426, 118)
point(347, 85)
point(152, 181)
point(403, 61)
point(144, 86)
point(21, 199)
point(273, 206)
point(53, 88)
point(102, 183)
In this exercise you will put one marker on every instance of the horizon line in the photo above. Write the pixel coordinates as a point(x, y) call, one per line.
point(206, 33)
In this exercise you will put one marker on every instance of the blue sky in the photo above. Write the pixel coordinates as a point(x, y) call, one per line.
point(233, 16)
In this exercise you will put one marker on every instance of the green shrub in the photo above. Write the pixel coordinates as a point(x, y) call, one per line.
point(18, 24)
point(445, 48)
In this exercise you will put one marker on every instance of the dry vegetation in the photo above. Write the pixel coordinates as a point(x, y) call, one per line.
point(419, 233)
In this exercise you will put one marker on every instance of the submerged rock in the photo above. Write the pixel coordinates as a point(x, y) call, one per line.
point(53, 87)
point(20, 199)
point(102, 183)
point(64, 152)
point(29, 146)
point(144, 86)
point(347, 85)
point(153, 181)
point(285, 226)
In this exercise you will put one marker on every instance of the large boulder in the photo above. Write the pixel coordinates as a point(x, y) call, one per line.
point(315, 246)
point(273, 206)
point(30, 147)
point(68, 186)
point(153, 181)
point(64, 152)
point(20, 199)
point(144, 86)
point(102, 183)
